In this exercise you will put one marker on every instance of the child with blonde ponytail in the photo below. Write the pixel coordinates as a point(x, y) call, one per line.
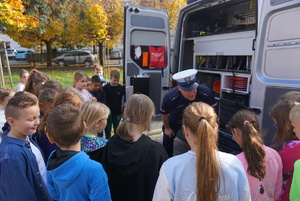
point(262, 164)
point(203, 173)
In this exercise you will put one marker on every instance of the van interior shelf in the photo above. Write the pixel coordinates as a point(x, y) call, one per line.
point(235, 16)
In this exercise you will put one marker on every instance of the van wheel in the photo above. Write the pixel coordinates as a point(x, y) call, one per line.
point(61, 63)
point(87, 64)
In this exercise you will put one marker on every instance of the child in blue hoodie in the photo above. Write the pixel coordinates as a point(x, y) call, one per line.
point(71, 174)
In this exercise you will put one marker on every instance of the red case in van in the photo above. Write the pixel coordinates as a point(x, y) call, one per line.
point(157, 57)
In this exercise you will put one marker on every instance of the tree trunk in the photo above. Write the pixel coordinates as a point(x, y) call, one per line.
point(49, 53)
point(101, 56)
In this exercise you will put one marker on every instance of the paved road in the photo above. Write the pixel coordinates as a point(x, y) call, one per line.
point(157, 135)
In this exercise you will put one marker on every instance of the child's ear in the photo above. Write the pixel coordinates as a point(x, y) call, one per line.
point(50, 138)
point(97, 123)
point(10, 121)
point(185, 131)
point(234, 131)
point(84, 127)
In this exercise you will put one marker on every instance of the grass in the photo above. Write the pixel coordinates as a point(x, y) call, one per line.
point(63, 76)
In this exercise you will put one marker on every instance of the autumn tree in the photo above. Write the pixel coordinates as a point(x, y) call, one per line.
point(51, 15)
point(12, 16)
point(87, 26)
point(114, 25)
point(172, 6)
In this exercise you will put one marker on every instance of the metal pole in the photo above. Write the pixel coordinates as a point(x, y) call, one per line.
point(8, 67)
point(107, 58)
point(1, 73)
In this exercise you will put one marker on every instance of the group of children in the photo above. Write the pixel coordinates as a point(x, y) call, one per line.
point(44, 122)
point(51, 148)
point(95, 89)
point(257, 173)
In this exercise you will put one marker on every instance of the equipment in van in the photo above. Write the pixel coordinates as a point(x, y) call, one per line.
point(246, 51)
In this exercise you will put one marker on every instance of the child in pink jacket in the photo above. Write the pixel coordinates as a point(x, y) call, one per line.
point(262, 164)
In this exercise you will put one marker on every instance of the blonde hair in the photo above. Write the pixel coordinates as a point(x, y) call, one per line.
point(92, 112)
point(295, 113)
point(139, 109)
point(247, 123)
point(98, 67)
point(115, 73)
point(79, 75)
point(201, 120)
point(35, 77)
point(280, 113)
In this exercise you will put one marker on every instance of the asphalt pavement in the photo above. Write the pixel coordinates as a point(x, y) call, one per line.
point(156, 134)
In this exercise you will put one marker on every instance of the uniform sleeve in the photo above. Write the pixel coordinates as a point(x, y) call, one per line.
point(13, 181)
point(162, 191)
point(295, 188)
point(166, 105)
point(99, 189)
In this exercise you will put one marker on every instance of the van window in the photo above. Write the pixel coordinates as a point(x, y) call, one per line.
point(283, 46)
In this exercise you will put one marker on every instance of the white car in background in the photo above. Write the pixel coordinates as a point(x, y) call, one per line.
point(76, 57)
point(11, 53)
point(115, 54)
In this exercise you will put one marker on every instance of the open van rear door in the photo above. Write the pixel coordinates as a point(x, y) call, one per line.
point(276, 59)
point(146, 53)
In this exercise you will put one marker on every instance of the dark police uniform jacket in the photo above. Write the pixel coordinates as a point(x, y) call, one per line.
point(174, 103)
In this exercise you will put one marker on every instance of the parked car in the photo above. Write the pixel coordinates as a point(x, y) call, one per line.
point(115, 54)
point(11, 53)
point(22, 54)
point(76, 57)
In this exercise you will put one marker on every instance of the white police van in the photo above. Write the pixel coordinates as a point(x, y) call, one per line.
point(246, 51)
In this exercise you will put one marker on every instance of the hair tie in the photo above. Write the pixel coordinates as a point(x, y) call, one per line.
point(128, 119)
point(245, 122)
point(201, 118)
point(36, 71)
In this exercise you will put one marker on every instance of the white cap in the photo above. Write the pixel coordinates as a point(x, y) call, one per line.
point(186, 79)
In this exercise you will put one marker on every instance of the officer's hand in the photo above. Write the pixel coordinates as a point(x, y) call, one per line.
point(169, 132)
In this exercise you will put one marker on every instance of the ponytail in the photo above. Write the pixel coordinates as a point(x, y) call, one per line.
point(35, 77)
point(252, 143)
point(254, 151)
point(201, 119)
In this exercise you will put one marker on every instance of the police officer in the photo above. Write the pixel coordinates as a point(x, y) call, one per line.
point(177, 99)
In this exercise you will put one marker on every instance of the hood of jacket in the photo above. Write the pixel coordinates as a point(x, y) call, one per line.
point(69, 170)
point(127, 157)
